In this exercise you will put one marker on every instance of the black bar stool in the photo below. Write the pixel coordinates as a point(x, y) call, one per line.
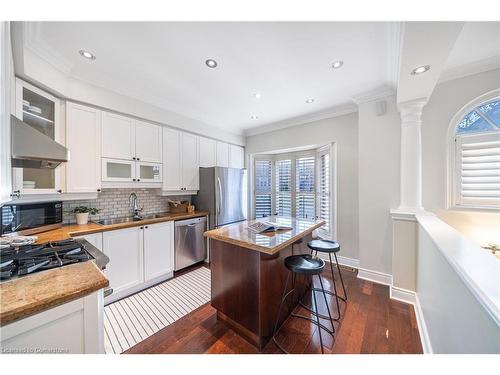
point(329, 247)
point(307, 265)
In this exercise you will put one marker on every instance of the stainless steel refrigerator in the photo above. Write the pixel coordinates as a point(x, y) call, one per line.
point(223, 193)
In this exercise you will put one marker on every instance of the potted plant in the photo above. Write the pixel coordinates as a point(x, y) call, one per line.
point(82, 214)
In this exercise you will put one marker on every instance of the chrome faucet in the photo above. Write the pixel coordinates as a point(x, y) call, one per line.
point(132, 200)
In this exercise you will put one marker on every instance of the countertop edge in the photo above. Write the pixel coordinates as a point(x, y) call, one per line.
point(37, 307)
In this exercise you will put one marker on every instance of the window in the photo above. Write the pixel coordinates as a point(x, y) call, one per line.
point(476, 158)
point(323, 195)
point(263, 188)
point(283, 174)
point(300, 186)
point(305, 193)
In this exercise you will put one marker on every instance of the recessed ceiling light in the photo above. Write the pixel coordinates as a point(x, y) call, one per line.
point(254, 117)
point(337, 64)
point(257, 95)
point(309, 101)
point(211, 63)
point(87, 54)
point(420, 70)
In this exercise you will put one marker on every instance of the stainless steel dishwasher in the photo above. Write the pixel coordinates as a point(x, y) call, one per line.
point(190, 245)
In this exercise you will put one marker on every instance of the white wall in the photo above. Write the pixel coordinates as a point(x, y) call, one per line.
point(455, 321)
point(343, 130)
point(379, 159)
point(448, 98)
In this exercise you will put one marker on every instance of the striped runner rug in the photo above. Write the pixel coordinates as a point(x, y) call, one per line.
point(135, 318)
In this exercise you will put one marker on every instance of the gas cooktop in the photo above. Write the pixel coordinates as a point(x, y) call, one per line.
point(18, 261)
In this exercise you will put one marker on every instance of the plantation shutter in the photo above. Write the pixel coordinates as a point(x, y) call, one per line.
point(478, 172)
point(283, 173)
point(263, 188)
point(323, 195)
point(305, 196)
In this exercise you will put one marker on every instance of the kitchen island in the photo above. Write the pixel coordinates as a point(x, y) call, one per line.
point(248, 273)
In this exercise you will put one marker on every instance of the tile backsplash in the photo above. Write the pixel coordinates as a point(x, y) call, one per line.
point(115, 203)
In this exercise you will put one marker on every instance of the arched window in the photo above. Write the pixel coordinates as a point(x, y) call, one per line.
point(475, 157)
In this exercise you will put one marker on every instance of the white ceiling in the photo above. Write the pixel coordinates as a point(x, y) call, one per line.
point(164, 64)
point(478, 41)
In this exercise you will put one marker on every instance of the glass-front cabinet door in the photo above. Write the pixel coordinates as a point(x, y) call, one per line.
point(41, 111)
point(116, 170)
point(149, 172)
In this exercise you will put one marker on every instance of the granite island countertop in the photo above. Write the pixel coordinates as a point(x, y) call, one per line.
point(269, 243)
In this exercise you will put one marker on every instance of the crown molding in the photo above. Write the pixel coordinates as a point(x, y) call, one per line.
point(336, 111)
point(373, 95)
point(33, 43)
point(475, 67)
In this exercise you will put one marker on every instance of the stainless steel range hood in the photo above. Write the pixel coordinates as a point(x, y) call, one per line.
point(32, 149)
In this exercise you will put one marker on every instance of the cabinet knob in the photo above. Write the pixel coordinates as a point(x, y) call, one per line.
point(133, 179)
point(133, 158)
point(146, 227)
point(98, 190)
point(59, 191)
point(16, 193)
point(138, 179)
point(142, 228)
point(138, 158)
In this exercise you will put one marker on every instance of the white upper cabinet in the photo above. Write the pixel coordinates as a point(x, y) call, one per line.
point(132, 152)
point(222, 158)
point(148, 141)
point(171, 160)
point(190, 162)
point(83, 139)
point(236, 156)
point(181, 161)
point(118, 136)
point(208, 152)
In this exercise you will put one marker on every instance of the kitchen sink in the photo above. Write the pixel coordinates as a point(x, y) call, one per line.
point(129, 219)
point(119, 220)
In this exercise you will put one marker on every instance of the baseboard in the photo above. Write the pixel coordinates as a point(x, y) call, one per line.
point(422, 327)
point(345, 261)
point(375, 276)
point(402, 295)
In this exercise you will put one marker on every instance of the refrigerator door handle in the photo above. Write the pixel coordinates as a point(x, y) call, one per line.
point(220, 196)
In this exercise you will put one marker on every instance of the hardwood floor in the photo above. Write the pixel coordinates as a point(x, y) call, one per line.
point(371, 323)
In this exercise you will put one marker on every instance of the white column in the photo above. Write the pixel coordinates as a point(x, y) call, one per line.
point(411, 155)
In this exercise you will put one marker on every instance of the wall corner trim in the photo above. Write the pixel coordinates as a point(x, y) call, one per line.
point(422, 327)
point(375, 276)
point(344, 261)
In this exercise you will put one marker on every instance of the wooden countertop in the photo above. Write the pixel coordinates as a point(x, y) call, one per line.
point(74, 230)
point(32, 294)
point(40, 291)
point(269, 243)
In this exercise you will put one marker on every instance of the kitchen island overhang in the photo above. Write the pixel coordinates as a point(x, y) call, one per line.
point(248, 274)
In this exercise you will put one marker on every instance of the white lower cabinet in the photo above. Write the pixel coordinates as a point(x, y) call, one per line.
point(125, 267)
point(138, 257)
point(158, 250)
point(74, 327)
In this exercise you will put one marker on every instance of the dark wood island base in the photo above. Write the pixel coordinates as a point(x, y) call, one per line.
point(249, 275)
point(247, 287)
